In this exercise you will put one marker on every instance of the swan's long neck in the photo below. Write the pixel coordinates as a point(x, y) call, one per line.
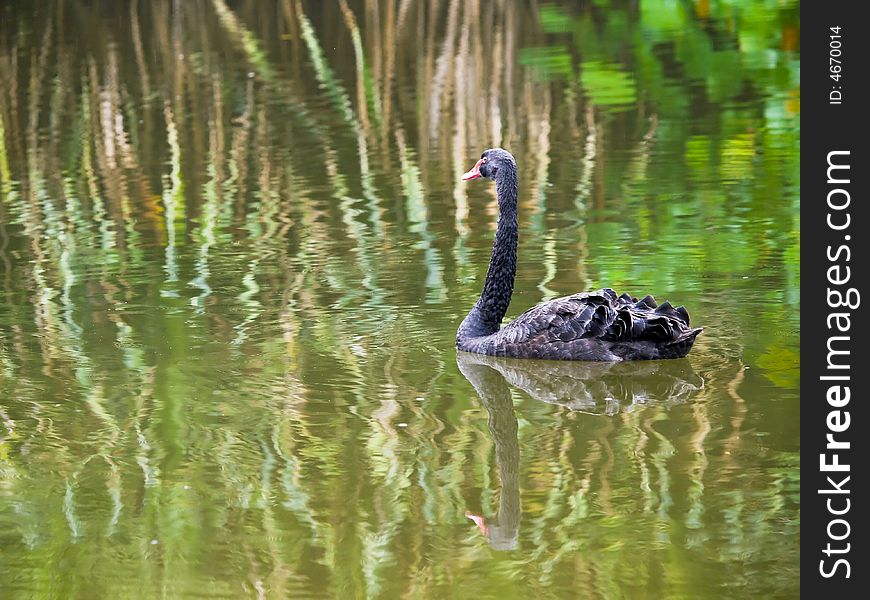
point(485, 318)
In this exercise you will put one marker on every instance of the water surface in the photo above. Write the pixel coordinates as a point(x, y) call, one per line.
point(234, 251)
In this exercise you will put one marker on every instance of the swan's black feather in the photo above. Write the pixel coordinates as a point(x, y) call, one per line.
point(592, 326)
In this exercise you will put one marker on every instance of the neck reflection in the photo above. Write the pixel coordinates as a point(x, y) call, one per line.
point(502, 531)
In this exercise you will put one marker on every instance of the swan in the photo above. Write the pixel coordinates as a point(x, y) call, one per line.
point(599, 325)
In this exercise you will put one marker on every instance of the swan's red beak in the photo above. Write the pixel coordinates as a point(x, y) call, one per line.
point(474, 173)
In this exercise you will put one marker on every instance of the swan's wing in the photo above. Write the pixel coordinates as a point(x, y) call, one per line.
point(600, 315)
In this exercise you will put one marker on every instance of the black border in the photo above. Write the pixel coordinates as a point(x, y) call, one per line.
point(832, 127)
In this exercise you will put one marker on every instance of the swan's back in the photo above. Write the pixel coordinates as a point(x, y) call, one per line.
point(593, 326)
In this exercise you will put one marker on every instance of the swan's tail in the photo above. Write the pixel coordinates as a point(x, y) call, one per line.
point(681, 346)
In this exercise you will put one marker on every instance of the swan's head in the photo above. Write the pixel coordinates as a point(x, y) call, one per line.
point(491, 162)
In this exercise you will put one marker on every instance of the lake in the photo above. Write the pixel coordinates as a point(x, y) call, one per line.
point(235, 249)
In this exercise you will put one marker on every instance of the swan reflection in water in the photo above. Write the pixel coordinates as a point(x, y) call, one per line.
point(595, 388)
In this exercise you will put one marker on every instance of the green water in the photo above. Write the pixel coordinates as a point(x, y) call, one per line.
point(234, 251)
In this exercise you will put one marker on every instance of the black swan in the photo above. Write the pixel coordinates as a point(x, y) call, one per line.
point(596, 325)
